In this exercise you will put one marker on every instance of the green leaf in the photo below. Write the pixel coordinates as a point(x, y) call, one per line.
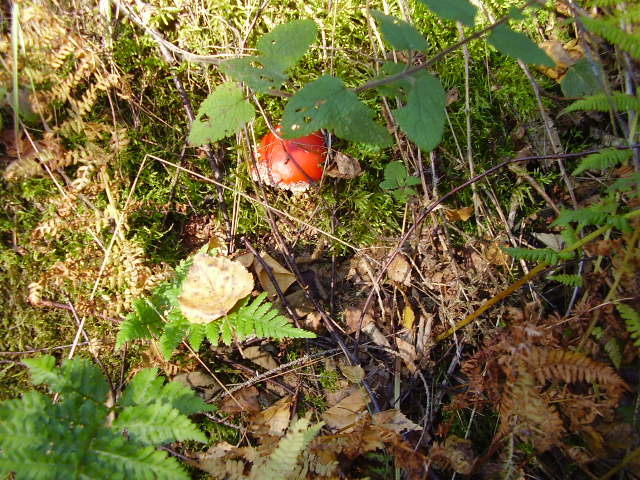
point(196, 335)
point(607, 158)
point(518, 45)
point(157, 423)
point(567, 279)
point(174, 332)
point(459, 10)
point(327, 103)
point(256, 73)
point(603, 103)
point(222, 113)
point(580, 80)
point(632, 319)
point(398, 33)
point(287, 43)
point(608, 30)
point(143, 322)
point(213, 332)
point(422, 118)
point(394, 175)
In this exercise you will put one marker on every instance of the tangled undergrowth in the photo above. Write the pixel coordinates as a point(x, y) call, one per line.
point(462, 281)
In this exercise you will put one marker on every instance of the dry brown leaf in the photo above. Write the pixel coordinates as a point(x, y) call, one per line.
point(283, 277)
point(273, 420)
point(260, 357)
point(400, 270)
point(345, 412)
point(246, 259)
point(345, 167)
point(407, 352)
point(394, 420)
point(459, 215)
point(245, 400)
point(353, 373)
point(376, 335)
point(495, 255)
point(352, 319)
point(212, 287)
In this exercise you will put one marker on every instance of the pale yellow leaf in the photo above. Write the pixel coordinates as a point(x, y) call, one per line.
point(212, 287)
point(353, 373)
point(394, 420)
point(273, 420)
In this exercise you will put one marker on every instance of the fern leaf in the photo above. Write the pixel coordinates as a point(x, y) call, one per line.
point(143, 322)
point(266, 321)
point(607, 158)
point(610, 32)
point(144, 388)
point(183, 399)
point(612, 347)
point(196, 335)
point(626, 184)
point(632, 319)
point(157, 423)
point(602, 103)
point(534, 254)
point(76, 376)
point(213, 332)
point(597, 214)
point(226, 330)
point(125, 461)
point(174, 332)
point(568, 280)
point(282, 462)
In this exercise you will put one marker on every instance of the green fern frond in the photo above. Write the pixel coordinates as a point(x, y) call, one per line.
point(619, 222)
point(607, 158)
point(600, 102)
point(596, 214)
point(268, 323)
point(282, 462)
point(157, 423)
point(612, 347)
point(626, 184)
point(72, 438)
point(143, 322)
point(213, 332)
point(632, 320)
point(196, 335)
point(608, 30)
point(568, 280)
point(81, 377)
point(534, 254)
point(174, 331)
point(147, 388)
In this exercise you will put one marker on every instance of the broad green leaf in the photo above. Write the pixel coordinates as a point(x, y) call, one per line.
point(422, 118)
point(580, 80)
point(223, 112)
point(251, 70)
point(458, 10)
point(398, 33)
point(327, 103)
point(398, 88)
point(287, 43)
point(518, 45)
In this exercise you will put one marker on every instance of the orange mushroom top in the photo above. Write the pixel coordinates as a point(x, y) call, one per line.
point(290, 164)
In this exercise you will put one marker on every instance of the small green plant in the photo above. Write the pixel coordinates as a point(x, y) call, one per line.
point(399, 182)
point(161, 316)
point(83, 434)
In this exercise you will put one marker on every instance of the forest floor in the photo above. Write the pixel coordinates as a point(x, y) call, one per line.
point(465, 294)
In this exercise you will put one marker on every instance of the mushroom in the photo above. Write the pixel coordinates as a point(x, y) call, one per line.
point(290, 164)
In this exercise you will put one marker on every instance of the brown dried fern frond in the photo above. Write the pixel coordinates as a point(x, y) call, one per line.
point(572, 367)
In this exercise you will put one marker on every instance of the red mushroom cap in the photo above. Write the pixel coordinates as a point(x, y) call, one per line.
point(291, 164)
